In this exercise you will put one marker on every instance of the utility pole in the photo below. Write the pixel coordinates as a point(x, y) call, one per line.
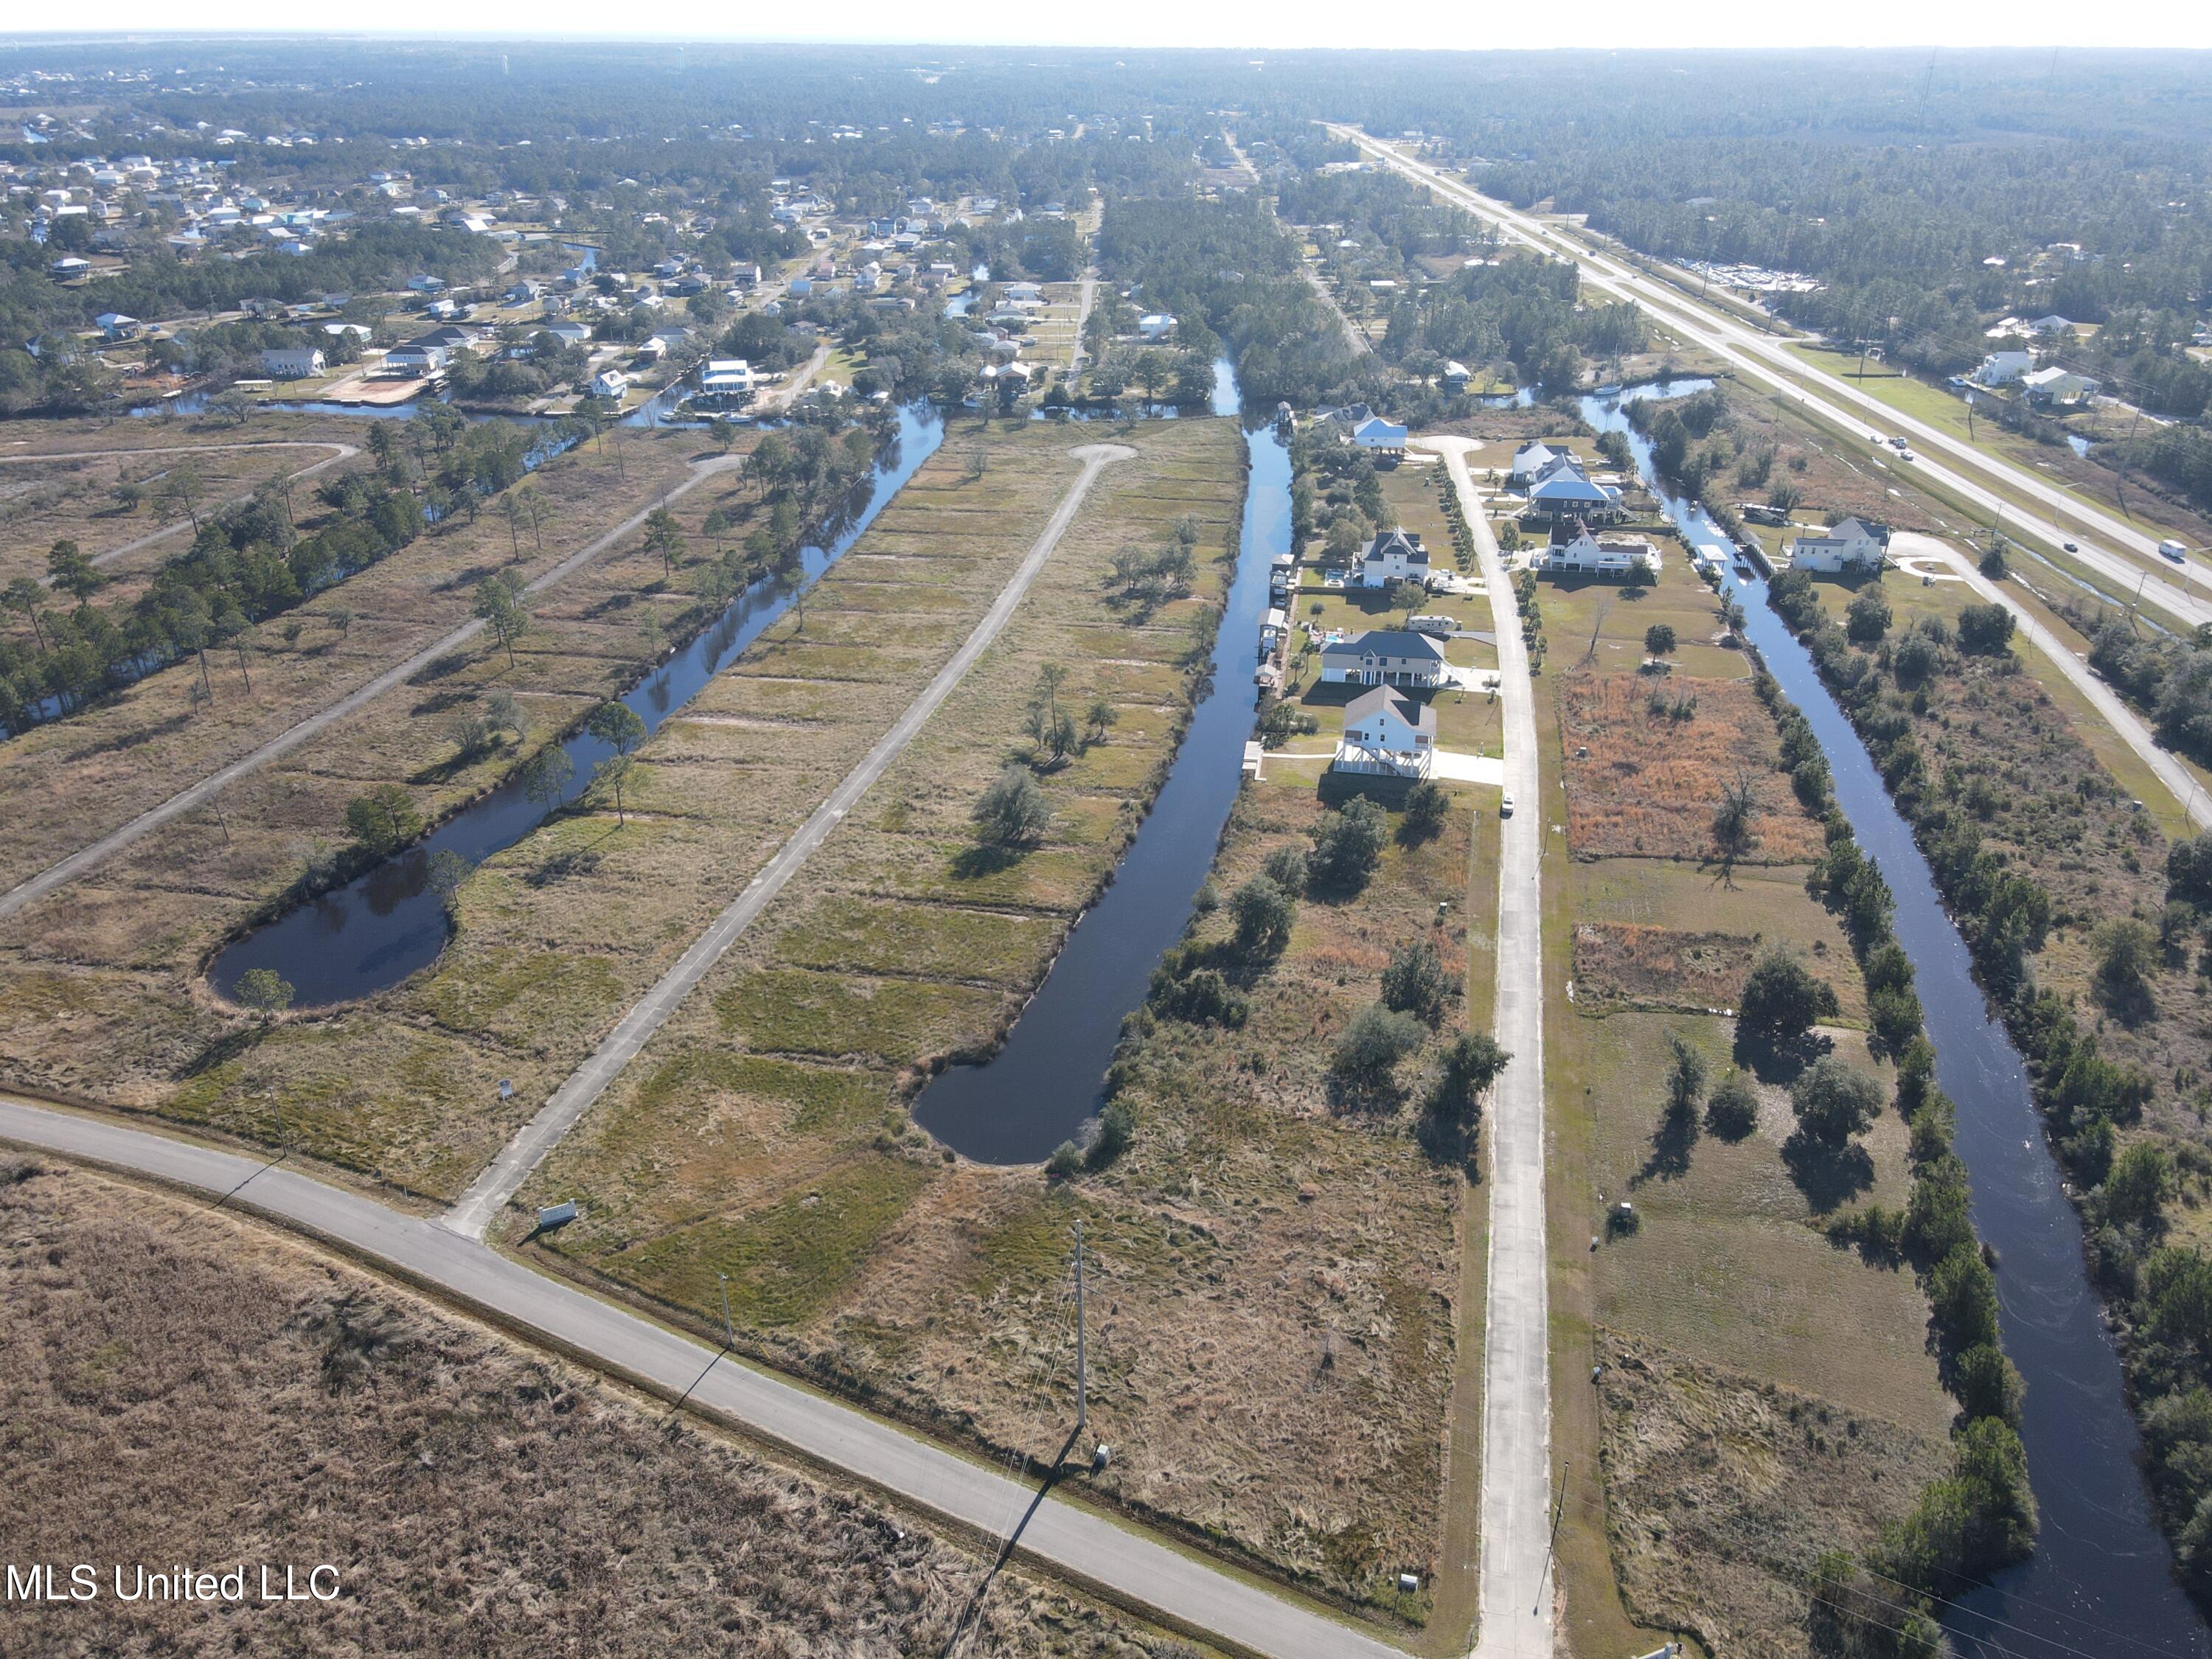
point(729, 1336)
point(1082, 1364)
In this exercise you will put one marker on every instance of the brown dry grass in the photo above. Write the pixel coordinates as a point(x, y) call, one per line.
point(1639, 967)
point(205, 1392)
point(1651, 783)
point(1712, 1478)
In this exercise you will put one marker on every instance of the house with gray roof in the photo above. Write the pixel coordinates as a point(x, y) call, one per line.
point(1384, 656)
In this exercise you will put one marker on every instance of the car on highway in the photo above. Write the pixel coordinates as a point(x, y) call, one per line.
point(2069, 547)
point(1906, 455)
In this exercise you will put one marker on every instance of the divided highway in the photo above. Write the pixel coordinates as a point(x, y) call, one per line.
point(1844, 405)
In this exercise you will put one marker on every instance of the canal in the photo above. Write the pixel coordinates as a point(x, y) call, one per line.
point(387, 923)
point(2100, 1580)
point(1050, 1076)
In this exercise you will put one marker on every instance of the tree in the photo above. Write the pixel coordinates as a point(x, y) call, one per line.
point(1659, 639)
point(1985, 630)
point(383, 820)
point(1686, 1070)
point(514, 513)
point(68, 569)
point(1833, 1102)
point(1732, 1108)
point(1426, 808)
point(545, 777)
point(616, 724)
point(1348, 846)
point(1782, 999)
point(1867, 617)
point(340, 618)
point(1414, 983)
point(1366, 1056)
point(25, 595)
point(664, 536)
point(1735, 819)
point(1472, 1062)
point(1286, 868)
point(504, 609)
point(1013, 811)
point(614, 776)
point(449, 870)
point(1263, 914)
point(182, 489)
point(263, 992)
point(503, 713)
point(725, 433)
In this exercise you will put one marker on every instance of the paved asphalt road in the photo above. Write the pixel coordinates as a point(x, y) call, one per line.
point(504, 1176)
point(339, 453)
point(1517, 1387)
point(69, 869)
point(1906, 544)
point(1845, 405)
point(1078, 1542)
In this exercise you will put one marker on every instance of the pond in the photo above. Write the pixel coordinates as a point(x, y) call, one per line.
point(2100, 1580)
point(1050, 1076)
point(386, 924)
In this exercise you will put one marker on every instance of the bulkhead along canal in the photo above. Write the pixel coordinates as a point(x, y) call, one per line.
point(2100, 1579)
point(372, 932)
point(1037, 1091)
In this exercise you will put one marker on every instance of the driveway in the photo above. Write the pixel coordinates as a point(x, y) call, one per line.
point(1453, 767)
point(1516, 1394)
point(1079, 1542)
point(503, 1177)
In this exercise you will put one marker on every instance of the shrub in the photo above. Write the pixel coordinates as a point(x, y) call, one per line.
point(1368, 1053)
point(1471, 1061)
point(1263, 914)
point(1348, 846)
point(1833, 1102)
point(1867, 618)
point(1659, 639)
point(1065, 1162)
point(1286, 868)
point(1013, 811)
point(1426, 808)
point(1415, 983)
point(1782, 999)
point(1732, 1108)
point(1985, 630)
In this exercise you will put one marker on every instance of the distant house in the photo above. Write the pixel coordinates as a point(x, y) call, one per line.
point(425, 284)
point(1574, 551)
point(610, 383)
point(727, 377)
point(1034, 292)
point(416, 357)
point(68, 267)
point(1384, 656)
point(292, 363)
point(1456, 376)
point(2058, 385)
point(2003, 367)
point(746, 274)
point(2053, 324)
point(1382, 437)
point(1157, 326)
point(568, 333)
point(1387, 733)
point(1850, 546)
point(117, 326)
point(1394, 555)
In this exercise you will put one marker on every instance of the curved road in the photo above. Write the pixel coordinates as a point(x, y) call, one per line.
point(1757, 355)
point(504, 1176)
point(67, 870)
point(1079, 1542)
point(342, 452)
point(1516, 1385)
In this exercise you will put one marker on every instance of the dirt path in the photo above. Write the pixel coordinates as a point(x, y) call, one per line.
point(503, 1177)
point(67, 870)
point(342, 452)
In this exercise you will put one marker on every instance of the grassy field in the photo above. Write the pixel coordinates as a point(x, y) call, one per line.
point(762, 1133)
point(1733, 1336)
point(136, 750)
point(208, 1392)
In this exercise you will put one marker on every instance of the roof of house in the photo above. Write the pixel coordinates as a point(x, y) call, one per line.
point(1850, 530)
point(1568, 483)
point(1420, 716)
point(1376, 429)
point(1385, 642)
point(1403, 543)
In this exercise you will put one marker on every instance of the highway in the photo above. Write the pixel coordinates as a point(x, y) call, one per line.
point(504, 1176)
point(1844, 405)
point(1516, 1386)
point(1081, 1543)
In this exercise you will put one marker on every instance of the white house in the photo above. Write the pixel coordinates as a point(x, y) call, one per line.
point(117, 326)
point(1531, 458)
point(1387, 733)
point(292, 363)
point(1157, 326)
point(416, 357)
point(2053, 324)
point(1394, 555)
point(1384, 656)
point(1849, 546)
point(2058, 385)
point(1383, 437)
point(1573, 551)
point(2003, 367)
point(610, 383)
point(1561, 488)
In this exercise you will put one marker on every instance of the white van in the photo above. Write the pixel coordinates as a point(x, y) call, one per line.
point(1438, 624)
point(2168, 548)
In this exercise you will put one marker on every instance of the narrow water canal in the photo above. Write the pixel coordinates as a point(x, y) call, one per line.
point(373, 931)
point(1037, 1091)
point(2100, 1582)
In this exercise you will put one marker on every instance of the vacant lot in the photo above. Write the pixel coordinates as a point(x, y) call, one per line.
point(1662, 753)
point(207, 1392)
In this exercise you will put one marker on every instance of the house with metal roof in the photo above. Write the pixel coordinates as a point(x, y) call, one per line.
point(1384, 656)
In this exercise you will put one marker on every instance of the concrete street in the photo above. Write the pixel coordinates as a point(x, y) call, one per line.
point(1845, 405)
point(503, 1177)
point(1081, 1543)
point(67, 870)
point(1516, 1398)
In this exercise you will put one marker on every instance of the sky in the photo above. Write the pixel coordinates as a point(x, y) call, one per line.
point(1255, 24)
